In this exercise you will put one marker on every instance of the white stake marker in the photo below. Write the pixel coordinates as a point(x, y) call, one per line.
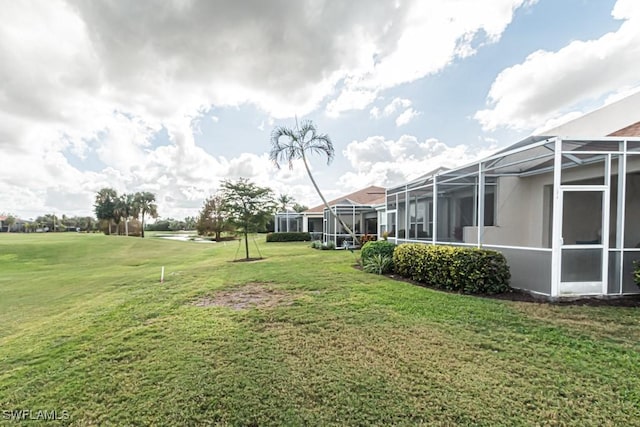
point(162, 275)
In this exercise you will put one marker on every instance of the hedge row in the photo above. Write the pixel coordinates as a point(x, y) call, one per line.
point(466, 270)
point(289, 237)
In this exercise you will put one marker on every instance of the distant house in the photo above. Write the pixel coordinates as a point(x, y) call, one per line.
point(17, 226)
point(362, 211)
point(563, 207)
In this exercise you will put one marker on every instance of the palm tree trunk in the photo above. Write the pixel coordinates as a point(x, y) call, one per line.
point(126, 227)
point(142, 226)
point(109, 227)
point(313, 181)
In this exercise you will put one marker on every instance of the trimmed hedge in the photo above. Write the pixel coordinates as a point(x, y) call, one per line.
point(379, 247)
point(289, 237)
point(465, 270)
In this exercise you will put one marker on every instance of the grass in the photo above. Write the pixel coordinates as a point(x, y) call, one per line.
point(86, 327)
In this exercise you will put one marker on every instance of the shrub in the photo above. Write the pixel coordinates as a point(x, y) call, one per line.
point(381, 247)
point(636, 272)
point(330, 245)
point(289, 237)
point(368, 238)
point(466, 270)
point(317, 244)
point(378, 264)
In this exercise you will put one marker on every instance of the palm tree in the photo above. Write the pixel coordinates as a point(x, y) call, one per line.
point(284, 201)
point(144, 204)
point(300, 142)
point(124, 209)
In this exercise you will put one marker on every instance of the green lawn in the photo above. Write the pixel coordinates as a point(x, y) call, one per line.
point(86, 327)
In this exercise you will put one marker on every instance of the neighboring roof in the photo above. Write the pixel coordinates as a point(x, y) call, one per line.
point(366, 196)
point(16, 219)
point(631, 130)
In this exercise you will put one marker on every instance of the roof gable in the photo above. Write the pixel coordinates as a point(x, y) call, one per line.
point(631, 130)
point(366, 196)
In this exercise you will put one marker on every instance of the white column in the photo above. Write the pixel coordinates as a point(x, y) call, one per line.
point(480, 192)
point(435, 211)
point(556, 233)
point(604, 234)
point(622, 193)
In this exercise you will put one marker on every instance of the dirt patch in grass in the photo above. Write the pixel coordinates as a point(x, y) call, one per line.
point(250, 295)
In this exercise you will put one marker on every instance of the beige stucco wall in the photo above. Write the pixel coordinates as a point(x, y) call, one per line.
point(523, 213)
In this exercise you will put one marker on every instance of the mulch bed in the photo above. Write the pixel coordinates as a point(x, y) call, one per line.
point(523, 296)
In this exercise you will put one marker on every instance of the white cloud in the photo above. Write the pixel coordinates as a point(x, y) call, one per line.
point(389, 109)
point(392, 108)
point(350, 100)
point(430, 36)
point(269, 122)
point(406, 116)
point(99, 80)
point(379, 161)
point(548, 85)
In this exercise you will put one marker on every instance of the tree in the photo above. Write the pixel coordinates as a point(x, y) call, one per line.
point(190, 223)
point(105, 204)
point(144, 205)
point(298, 144)
point(284, 201)
point(214, 217)
point(249, 206)
point(300, 208)
point(124, 207)
point(10, 220)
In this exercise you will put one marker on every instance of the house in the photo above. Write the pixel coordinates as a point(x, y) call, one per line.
point(562, 206)
point(17, 224)
point(362, 211)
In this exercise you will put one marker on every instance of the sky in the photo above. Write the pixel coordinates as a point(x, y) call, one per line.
point(171, 97)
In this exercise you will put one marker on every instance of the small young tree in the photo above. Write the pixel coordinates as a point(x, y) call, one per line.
point(214, 217)
point(249, 206)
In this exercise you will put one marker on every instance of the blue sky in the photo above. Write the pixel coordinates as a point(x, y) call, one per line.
point(173, 97)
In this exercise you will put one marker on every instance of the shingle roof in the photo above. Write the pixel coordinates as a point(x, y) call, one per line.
point(631, 130)
point(367, 196)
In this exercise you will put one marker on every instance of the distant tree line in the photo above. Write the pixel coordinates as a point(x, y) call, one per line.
point(171, 224)
point(47, 223)
point(117, 212)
